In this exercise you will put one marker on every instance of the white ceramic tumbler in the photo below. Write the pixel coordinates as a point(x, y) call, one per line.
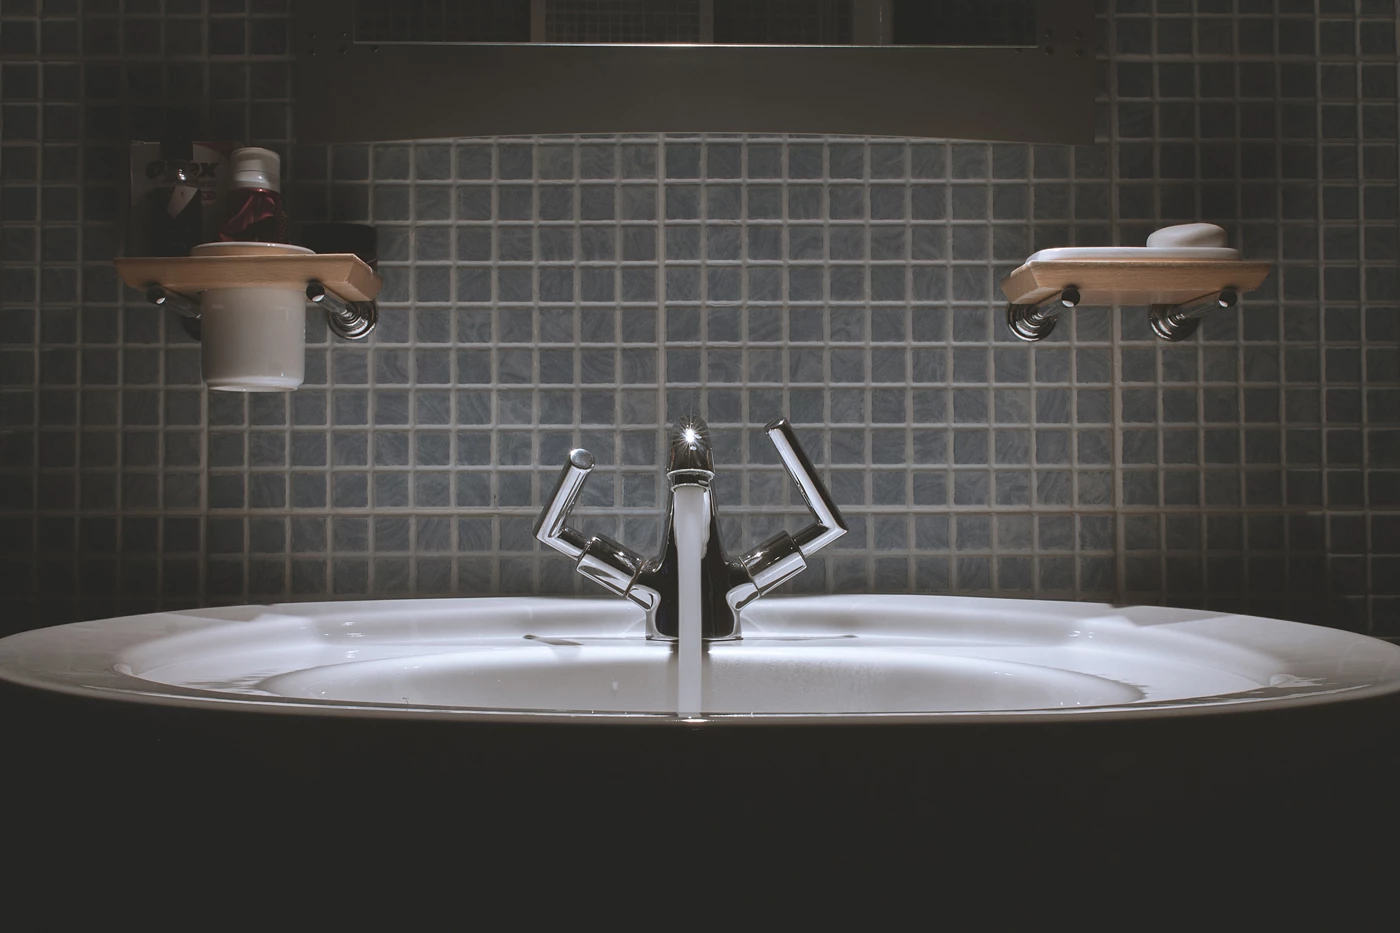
point(253, 338)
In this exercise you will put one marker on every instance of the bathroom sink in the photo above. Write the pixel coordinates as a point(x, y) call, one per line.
point(899, 658)
point(1014, 740)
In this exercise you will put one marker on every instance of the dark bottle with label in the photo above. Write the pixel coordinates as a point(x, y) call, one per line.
point(173, 207)
point(256, 199)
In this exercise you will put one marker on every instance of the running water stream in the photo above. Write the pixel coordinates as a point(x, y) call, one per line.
point(692, 529)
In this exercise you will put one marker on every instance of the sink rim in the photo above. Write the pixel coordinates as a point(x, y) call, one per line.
point(84, 658)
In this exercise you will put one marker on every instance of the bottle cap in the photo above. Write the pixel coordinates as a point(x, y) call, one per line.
point(257, 168)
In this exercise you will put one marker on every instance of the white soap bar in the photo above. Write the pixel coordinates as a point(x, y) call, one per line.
point(1135, 254)
point(1191, 235)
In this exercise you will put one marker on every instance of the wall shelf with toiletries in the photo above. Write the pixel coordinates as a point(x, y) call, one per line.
point(216, 247)
point(249, 300)
point(1183, 273)
point(345, 274)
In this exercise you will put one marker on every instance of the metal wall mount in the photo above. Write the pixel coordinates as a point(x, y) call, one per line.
point(352, 320)
point(1177, 322)
point(1035, 322)
point(186, 308)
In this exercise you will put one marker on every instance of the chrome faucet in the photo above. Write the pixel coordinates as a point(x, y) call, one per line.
point(726, 586)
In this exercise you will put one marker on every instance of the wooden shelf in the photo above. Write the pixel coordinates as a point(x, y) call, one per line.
point(1130, 282)
point(343, 273)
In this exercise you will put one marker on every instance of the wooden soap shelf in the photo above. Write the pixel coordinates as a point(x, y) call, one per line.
point(343, 273)
point(1177, 291)
point(1130, 282)
point(342, 284)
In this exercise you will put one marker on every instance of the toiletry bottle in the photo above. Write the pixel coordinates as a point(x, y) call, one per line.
point(173, 205)
point(255, 203)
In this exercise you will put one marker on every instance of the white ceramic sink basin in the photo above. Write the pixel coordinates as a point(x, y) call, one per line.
point(837, 657)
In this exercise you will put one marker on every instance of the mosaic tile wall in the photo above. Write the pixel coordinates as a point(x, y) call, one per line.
point(545, 293)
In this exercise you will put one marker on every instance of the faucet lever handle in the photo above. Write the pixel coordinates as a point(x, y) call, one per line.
point(828, 524)
point(552, 527)
point(597, 557)
point(783, 556)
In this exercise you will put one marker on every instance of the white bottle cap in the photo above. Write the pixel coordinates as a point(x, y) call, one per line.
point(257, 168)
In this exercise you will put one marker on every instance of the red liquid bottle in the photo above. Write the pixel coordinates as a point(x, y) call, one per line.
point(256, 199)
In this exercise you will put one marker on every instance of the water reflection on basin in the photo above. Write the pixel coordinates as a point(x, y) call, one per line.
point(898, 657)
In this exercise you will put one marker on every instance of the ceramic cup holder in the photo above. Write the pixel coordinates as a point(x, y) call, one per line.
point(251, 325)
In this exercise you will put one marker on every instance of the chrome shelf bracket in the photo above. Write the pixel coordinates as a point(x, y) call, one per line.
point(1175, 323)
point(351, 320)
point(1178, 322)
point(1035, 322)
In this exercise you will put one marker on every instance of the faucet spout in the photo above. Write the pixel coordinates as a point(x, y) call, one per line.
point(690, 463)
point(726, 585)
point(691, 460)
